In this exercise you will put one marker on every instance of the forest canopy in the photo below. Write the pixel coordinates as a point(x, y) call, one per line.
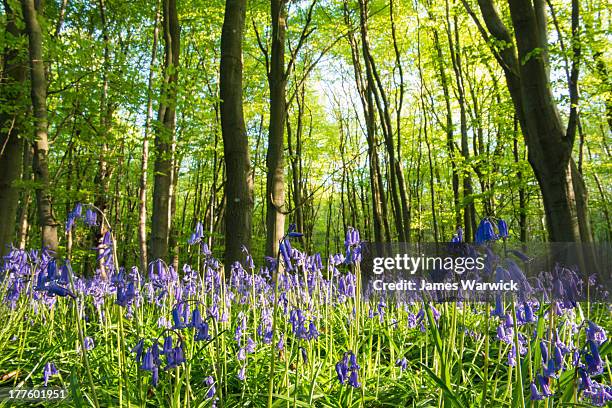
point(403, 119)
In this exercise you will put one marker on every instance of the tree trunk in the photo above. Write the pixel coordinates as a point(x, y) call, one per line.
point(277, 80)
point(41, 144)
point(239, 185)
point(144, 164)
point(12, 78)
point(165, 137)
point(549, 144)
point(469, 211)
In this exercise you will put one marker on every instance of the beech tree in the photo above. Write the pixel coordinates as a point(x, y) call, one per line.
point(239, 186)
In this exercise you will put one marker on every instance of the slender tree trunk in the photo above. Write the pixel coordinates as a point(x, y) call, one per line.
point(12, 77)
point(469, 211)
point(161, 222)
point(277, 80)
point(26, 197)
point(521, 187)
point(450, 142)
point(239, 185)
point(144, 164)
point(41, 144)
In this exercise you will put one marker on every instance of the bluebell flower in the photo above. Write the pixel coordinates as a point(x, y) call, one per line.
point(54, 289)
point(167, 345)
point(354, 379)
point(175, 357)
point(544, 352)
point(285, 251)
point(313, 333)
point(196, 236)
point(342, 371)
point(485, 232)
point(550, 370)
point(155, 376)
point(241, 355)
point(594, 362)
point(138, 349)
point(91, 218)
point(281, 342)
point(512, 356)
point(402, 363)
point(148, 362)
point(196, 319)
point(545, 385)
point(242, 374)
point(202, 333)
point(304, 355)
point(595, 333)
point(499, 307)
point(48, 371)
point(73, 215)
point(210, 381)
point(502, 228)
point(89, 343)
point(458, 237)
point(179, 323)
point(250, 346)
point(535, 394)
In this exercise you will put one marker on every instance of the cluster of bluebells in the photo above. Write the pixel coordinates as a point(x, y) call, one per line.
point(347, 370)
point(486, 231)
point(151, 358)
point(200, 296)
point(90, 218)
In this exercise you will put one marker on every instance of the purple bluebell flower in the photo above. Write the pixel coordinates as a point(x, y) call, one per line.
point(544, 351)
point(48, 371)
point(458, 237)
point(241, 374)
point(73, 215)
point(550, 370)
point(342, 371)
point(155, 376)
point(89, 343)
point(502, 228)
point(313, 333)
point(545, 385)
point(485, 232)
point(167, 345)
point(250, 346)
point(148, 361)
point(54, 289)
point(281, 342)
point(138, 349)
point(354, 379)
point(210, 381)
point(499, 307)
point(594, 362)
point(91, 217)
point(196, 236)
point(512, 356)
point(535, 394)
point(595, 333)
point(402, 363)
point(599, 394)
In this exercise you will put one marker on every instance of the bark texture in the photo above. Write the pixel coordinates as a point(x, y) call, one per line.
point(38, 81)
point(238, 187)
point(165, 137)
